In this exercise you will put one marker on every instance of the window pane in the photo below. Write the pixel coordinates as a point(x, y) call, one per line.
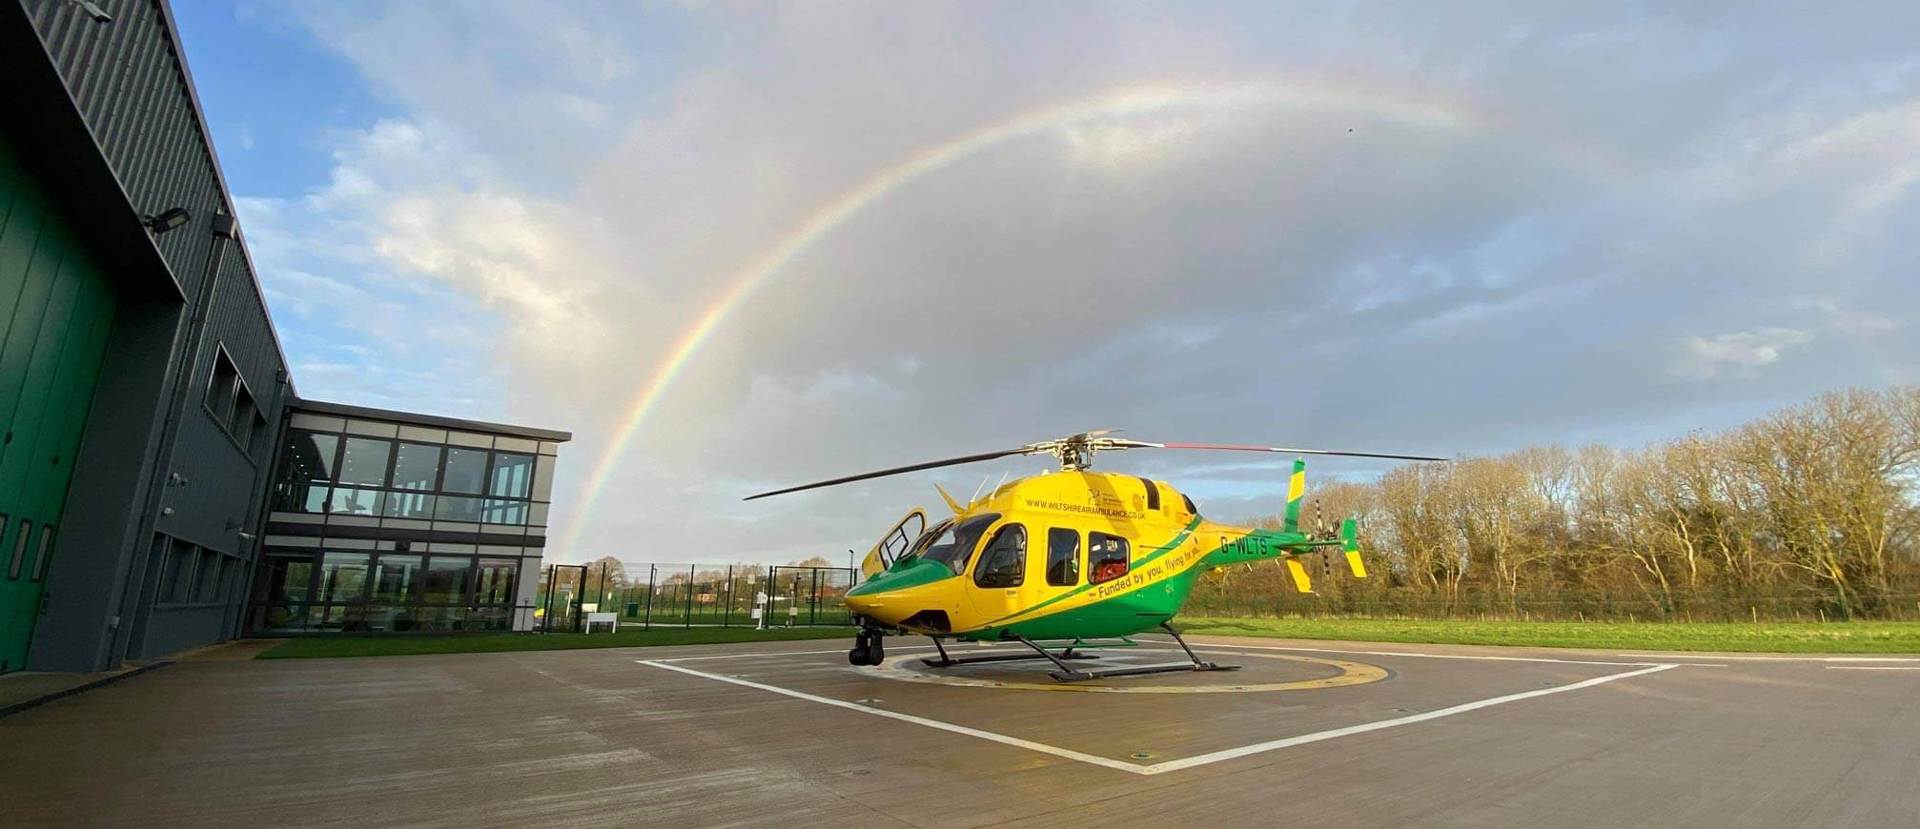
point(351, 501)
point(343, 577)
point(278, 618)
point(299, 497)
point(445, 580)
point(416, 466)
point(409, 505)
point(466, 469)
point(284, 578)
point(497, 576)
point(504, 512)
point(179, 581)
point(19, 558)
point(1063, 557)
point(46, 552)
point(241, 419)
point(951, 544)
point(365, 461)
point(208, 587)
point(394, 578)
point(307, 457)
point(456, 508)
point(1106, 557)
point(512, 474)
point(1004, 562)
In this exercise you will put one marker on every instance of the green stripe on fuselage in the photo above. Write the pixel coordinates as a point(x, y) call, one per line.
point(1157, 552)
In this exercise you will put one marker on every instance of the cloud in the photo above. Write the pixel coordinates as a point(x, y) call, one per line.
point(1415, 229)
point(1739, 353)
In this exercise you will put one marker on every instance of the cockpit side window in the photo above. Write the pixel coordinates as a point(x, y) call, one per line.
point(1106, 557)
point(952, 543)
point(1004, 561)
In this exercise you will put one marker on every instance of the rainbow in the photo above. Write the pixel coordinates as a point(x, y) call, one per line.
point(1127, 102)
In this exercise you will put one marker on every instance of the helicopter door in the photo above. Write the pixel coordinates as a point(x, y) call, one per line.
point(1000, 574)
point(895, 543)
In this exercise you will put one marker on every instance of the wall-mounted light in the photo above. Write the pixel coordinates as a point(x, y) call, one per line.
point(162, 222)
point(98, 14)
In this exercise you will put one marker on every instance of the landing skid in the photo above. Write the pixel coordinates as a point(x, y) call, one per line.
point(945, 660)
point(1069, 673)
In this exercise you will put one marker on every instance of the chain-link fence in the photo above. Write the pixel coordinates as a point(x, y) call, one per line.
point(648, 595)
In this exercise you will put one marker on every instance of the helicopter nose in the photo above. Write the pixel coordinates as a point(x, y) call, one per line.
point(869, 605)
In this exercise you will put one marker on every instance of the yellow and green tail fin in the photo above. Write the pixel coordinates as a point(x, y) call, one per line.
point(1350, 542)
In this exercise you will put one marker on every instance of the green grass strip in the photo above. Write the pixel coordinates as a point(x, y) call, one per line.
point(1782, 637)
point(412, 644)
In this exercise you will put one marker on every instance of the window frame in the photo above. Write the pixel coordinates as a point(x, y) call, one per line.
point(237, 389)
point(987, 553)
point(1073, 559)
point(1126, 557)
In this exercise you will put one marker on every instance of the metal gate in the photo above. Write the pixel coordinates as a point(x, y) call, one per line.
point(563, 591)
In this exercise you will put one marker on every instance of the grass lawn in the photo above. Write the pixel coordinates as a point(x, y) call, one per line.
point(1783, 637)
point(406, 644)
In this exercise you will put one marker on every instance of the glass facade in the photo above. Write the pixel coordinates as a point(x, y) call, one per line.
point(368, 591)
point(385, 526)
point(382, 477)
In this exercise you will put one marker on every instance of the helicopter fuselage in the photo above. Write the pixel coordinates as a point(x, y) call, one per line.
point(1065, 555)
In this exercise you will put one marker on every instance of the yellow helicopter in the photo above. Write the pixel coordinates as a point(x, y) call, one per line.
point(1111, 555)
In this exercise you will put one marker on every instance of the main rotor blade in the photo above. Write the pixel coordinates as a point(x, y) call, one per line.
point(1234, 447)
point(899, 470)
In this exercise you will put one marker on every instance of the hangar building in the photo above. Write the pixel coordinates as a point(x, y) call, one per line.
point(162, 485)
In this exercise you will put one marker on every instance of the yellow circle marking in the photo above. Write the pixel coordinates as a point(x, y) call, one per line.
point(1350, 673)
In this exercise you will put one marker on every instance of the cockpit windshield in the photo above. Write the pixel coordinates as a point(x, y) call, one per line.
point(950, 543)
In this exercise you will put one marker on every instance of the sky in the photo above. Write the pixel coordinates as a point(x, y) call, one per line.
point(735, 246)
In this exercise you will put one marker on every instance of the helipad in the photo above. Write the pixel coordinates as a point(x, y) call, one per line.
point(790, 735)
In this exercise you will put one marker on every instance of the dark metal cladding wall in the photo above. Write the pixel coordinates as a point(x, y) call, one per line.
point(223, 479)
point(190, 480)
point(127, 79)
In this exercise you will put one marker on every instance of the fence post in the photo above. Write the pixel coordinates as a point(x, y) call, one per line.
point(813, 600)
point(546, 604)
point(647, 622)
point(726, 616)
point(689, 620)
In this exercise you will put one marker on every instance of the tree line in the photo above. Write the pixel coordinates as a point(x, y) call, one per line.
point(1809, 512)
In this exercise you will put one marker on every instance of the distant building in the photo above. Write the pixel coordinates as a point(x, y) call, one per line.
point(162, 486)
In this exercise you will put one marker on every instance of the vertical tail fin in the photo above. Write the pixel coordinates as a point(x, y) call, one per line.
point(1299, 573)
point(1296, 491)
point(1350, 542)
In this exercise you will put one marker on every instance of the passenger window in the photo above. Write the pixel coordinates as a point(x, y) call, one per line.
point(1004, 562)
point(1063, 557)
point(1106, 557)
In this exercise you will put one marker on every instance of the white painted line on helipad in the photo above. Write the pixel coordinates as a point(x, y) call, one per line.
point(1030, 745)
point(1872, 668)
point(1479, 657)
point(781, 653)
point(1788, 658)
point(1318, 736)
point(1170, 765)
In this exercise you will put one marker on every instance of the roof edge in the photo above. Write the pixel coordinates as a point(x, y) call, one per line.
point(370, 413)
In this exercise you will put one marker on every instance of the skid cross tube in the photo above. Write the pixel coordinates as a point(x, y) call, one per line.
point(1194, 663)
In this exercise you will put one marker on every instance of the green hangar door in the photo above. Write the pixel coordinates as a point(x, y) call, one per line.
point(55, 313)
